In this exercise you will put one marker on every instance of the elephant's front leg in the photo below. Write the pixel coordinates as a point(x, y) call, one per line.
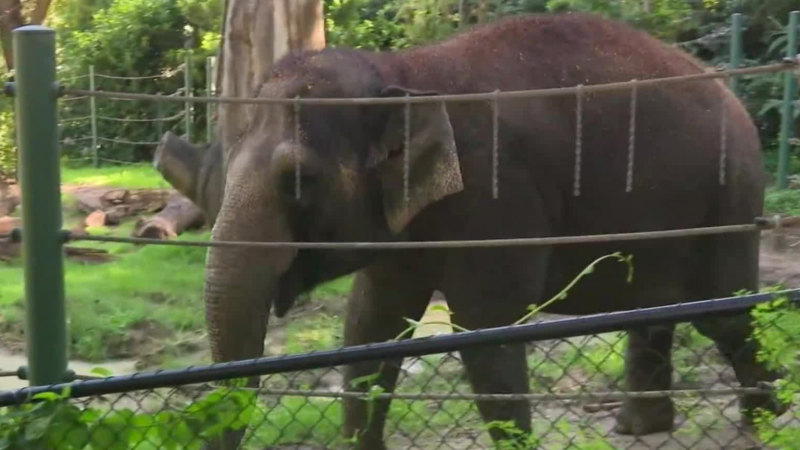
point(501, 370)
point(382, 296)
point(648, 367)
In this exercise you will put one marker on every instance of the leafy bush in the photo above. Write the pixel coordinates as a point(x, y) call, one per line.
point(777, 331)
point(56, 423)
point(132, 38)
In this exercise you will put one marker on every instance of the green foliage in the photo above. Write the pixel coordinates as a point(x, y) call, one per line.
point(777, 332)
point(782, 202)
point(55, 423)
point(132, 38)
point(8, 143)
point(367, 24)
point(133, 176)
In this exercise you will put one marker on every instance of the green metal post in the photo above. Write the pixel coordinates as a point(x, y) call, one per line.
point(187, 79)
point(36, 104)
point(789, 95)
point(93, 108)
point(736, 49)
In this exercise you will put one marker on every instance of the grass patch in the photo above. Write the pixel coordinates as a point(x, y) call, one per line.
point(782, 202)
point(339, 287)
point(148, 289)
point(318, 332)
point(150, 294)
point(292, 420)
point(133, 176)
point(318, 421)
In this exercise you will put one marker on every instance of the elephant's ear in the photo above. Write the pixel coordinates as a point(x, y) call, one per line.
point(433, 168)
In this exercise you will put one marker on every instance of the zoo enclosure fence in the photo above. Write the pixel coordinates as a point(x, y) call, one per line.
point(42, 239)
point(91, 144)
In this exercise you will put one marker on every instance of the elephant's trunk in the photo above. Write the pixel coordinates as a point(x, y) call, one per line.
point(241, 281)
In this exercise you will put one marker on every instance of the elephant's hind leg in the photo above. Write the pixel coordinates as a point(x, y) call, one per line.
point(381, 298)
point(733, 267)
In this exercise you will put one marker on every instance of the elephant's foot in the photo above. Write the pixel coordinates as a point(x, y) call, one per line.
point(368, 441)
point(645, 415)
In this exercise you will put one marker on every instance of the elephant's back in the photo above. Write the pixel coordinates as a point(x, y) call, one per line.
point(662, 171)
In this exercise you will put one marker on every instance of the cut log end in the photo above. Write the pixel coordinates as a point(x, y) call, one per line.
point(179, 215)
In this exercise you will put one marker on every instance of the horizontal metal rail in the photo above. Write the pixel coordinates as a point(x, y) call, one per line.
point(477, 243)
point(125, 141)
point(553, 329)
point(166, 75)
point(158, 119)
point(552, 396)
point(788, 64)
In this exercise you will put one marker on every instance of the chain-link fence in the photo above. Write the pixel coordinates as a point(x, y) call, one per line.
point(577, 390)
point(122, 131)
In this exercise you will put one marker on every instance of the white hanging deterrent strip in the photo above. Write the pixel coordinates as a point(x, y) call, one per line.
point(495, 146)
point(632, 136)
point(406, 149)
point(578, 139)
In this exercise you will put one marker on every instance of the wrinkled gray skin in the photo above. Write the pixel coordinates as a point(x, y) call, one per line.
point(196, 172)
point(208, 189)
point(352, 190)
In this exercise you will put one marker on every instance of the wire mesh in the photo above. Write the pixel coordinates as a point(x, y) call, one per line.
point(576, 384)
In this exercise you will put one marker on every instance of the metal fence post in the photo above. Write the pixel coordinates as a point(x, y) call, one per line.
point(210, 63)
point(789, 95)
point(160, 118)
point(187, 79)
point(93, 113)
point(37, 121)
point(736, 49)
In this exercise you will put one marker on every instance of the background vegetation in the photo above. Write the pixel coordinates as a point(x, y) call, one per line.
point(148, 37)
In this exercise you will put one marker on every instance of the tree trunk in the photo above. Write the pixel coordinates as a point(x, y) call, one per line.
point(40, 11)
point(256, 33)
point(10, 18)
point(179, 215)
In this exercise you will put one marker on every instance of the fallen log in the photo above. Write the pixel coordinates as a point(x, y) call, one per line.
point(8, 201)
point(88, 255)
point(120, 203)
point(10, 250)
point(179, 215)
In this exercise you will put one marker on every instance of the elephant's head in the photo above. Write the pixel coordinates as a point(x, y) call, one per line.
point(351, 172)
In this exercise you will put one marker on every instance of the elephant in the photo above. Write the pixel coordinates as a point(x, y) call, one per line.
point(352, 160)
point(194, 171)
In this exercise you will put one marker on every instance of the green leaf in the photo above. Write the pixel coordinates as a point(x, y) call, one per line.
point(101, 371)
point(47, 396)
point(364, 379)
point(36, 430)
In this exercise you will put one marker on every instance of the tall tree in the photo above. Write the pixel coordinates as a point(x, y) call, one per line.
point(17, 13)
point(255, 34)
